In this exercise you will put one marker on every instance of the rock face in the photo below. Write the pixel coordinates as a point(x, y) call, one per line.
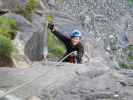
point(93, 81)
point(9, 97)
point(32, 35)
point(11, 5)
point(8, 4)
point(108, 21)
point(36, 45)
point(130, 39)
point(31, 41)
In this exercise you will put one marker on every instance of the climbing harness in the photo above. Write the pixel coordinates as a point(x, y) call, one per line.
point(74, 53)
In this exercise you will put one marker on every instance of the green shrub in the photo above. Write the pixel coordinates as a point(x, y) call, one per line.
point(5, 33)
point(6, 46)
point(55, 46)
point(28, 9)
point(127, 66)
point(31, 6)
point(8, 22)
point(7, 26)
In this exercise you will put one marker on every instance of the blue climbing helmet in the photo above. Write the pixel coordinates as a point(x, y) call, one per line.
point(75, 33)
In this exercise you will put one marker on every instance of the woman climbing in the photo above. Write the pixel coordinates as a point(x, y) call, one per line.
point(72, 43)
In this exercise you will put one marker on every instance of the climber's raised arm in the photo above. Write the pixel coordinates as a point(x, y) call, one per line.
point(58, 34)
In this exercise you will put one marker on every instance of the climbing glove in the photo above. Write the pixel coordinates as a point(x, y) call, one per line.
point(51, 26)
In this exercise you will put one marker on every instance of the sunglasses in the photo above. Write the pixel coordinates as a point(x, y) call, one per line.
point(75, 37)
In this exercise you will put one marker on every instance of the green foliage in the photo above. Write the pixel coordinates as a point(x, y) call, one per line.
point(50, 19)
point(130, 48)
point(130, 2)
point(7, 26)
point(127, 66)
point(130, 58)
point(6, 46)
point(129, 62)
point(55, 46)
point(28, 9)
point(31, 6)
point(8, 22)
point(5, 32)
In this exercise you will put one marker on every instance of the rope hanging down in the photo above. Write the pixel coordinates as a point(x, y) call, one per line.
point(30, 81)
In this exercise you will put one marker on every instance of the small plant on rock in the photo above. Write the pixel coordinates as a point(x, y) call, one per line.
point(28, 9)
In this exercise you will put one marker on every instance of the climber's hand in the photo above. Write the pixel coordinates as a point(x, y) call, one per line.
point(51, 26)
